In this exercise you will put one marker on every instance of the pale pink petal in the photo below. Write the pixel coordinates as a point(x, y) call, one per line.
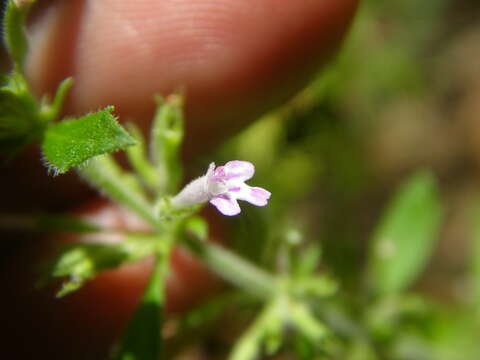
point(224, 204)
point(219, 174)
point(239, 170)
point(254, 195)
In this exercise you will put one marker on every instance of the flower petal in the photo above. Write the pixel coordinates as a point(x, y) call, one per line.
point(239, 170)
point(254, 195)
point(224, 204)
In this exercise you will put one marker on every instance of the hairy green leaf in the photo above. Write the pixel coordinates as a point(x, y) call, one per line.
point(72, 142)
point(405, 238)
point(82, 262)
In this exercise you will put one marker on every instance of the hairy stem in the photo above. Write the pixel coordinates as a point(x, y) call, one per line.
point(234, 269)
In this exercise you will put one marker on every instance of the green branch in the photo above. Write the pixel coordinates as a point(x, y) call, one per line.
point(234, 269)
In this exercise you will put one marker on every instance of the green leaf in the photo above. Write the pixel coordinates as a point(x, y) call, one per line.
point(405, 238)
point(167, 136)
point(16, 83)
point(49, 223)
point(267, 329)
point(142, 339)
point(45, 223)
point(309, 260)
point(208, 311)
point(319, 286)
point(72, 142)
point(14, 35)
point(20, 120)
point(82, 262)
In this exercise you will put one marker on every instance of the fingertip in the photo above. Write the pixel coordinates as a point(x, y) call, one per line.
point(236, 59)
point(54, 27)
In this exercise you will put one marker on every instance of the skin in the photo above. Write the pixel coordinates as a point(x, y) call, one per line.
point(233, 59)
point(85, 324)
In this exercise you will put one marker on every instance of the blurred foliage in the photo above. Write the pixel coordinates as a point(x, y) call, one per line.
point(333, 158)
point(404, 240)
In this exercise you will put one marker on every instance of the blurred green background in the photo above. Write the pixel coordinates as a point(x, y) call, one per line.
point(402, 97)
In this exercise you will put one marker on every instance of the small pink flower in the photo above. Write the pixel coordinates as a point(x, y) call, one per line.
point(226, 185)
point(222, 186)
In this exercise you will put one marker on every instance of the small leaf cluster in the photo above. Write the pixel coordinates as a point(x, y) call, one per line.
point(144, 191)
point(25, 119)
point(82, 262)
point(310, 313)
point(21, 120)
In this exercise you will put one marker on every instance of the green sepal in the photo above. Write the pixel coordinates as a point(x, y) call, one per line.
point(51, 111)
point(166, 138)
point(165, 211)
point(139, 159)
point(72, 142)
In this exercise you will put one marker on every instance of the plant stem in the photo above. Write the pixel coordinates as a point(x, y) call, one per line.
point(234, 269)
point(142, 339)
point(248, 346)
point(139, 161)
point(104, 174)
point(107, 176)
